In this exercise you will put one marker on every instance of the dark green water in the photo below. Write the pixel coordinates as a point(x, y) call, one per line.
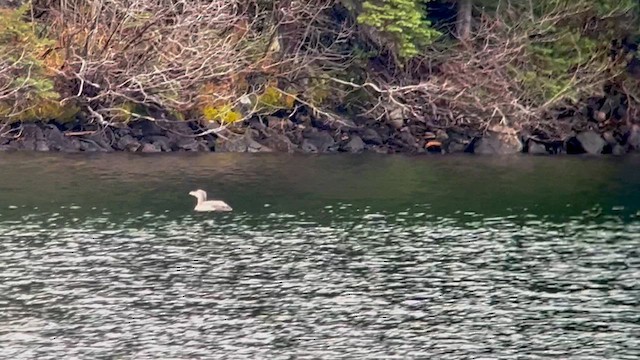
point(324, 257)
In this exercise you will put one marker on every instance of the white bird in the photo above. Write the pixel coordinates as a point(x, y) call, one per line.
point(208, 205)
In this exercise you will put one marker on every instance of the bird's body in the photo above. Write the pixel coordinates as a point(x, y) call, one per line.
point(208, 205)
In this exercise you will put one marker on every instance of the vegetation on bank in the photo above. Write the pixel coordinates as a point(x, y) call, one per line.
point(517, 63)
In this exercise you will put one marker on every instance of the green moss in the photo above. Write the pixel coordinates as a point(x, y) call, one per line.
point(273, 99)
point(225, 114)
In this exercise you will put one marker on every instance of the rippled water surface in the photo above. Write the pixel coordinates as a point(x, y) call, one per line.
point(333, 257)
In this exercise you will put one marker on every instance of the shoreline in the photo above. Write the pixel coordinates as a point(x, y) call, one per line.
point(278, 135)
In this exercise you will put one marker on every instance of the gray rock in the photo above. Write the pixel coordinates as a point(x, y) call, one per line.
point(244, 143)
point(370, 136)
point(150, 148)
point(176, 129)
point(162, 142)
point(128, 143)
point(308, 147)
point(609, 138)
point(280, 124)
point(101, 140)
point(408, 139)
point(88, 146)
point(618, 150)
point(536, 148)
point(498, 143)
point(30, 137)
point(187, 144)
point(41, 145)
point(55, 138)
point(442, 135)
point(634, 137)
point(591, 142)
point(322, 141)
point(457, 146)
point(395, 117)
point(278, 142)
point(355, 145)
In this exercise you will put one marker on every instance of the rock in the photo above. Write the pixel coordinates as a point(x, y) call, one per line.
point(102, 140)
point(31, 135)
point(150, 148)
point(457, 146)
point(55, 138)
point(88, 145)
point(187, 144)
point(599, 116)
point(256, 123)
point(442, 135)
point(279, 123)
point(408, 139)
point(610, 138)
point(128, 143)
point(321, 140)
point(278, 142)
point(395, 117)
point(536, 148)
point(370, 136)
point(41, 145)
point(146, 128)
point(618, 150)
point(591, 142)
point(176, 128)
point(244, 143)
point(633, 140)
point(499, 141)
point(308, 147)
point(161, 142)
point(355, 145)
point(343, 123)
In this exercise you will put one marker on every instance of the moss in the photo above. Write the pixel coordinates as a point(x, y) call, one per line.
point(273, 99)
point(223, 114)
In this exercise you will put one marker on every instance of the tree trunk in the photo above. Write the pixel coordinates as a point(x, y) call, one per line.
point(463, 21)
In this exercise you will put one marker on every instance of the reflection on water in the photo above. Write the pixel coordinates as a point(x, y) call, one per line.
point(300, 272)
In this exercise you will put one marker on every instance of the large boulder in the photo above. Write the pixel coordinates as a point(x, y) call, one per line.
point(591, 142)
point(278, 142)
point(321, 140)
point(355, 145)
point(537, 148)
point(370, 136)
point(633, 140)
point(32, 138)
point(244, 143)
point(128, 143)
point(499, 140)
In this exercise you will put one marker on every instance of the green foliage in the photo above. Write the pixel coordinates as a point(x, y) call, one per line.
point(568, 44)
point(31, 93)
point(401, 20)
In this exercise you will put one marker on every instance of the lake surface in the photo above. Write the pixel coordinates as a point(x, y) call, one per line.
point(324, 257)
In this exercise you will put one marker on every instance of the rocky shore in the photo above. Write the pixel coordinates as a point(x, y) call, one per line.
point(306, 135)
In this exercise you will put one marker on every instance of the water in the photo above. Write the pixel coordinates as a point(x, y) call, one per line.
point(324, 257)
